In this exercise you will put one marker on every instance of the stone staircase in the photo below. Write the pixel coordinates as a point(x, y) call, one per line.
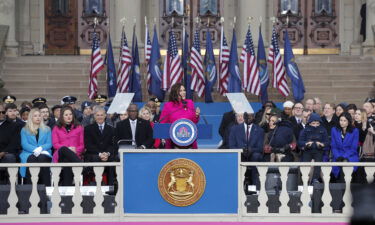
point(332, 78)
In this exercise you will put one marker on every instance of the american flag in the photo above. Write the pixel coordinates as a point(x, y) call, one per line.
point(251, 81)
point(274, 57)
point(173, 72)
point(97, 64)
point(125, 63)
point(196, 63)
point(223, 64)
point(147, 57)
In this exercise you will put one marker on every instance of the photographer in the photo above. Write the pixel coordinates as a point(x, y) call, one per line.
point(249, 137)
point(313, 140)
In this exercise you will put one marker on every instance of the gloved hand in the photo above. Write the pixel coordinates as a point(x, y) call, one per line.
point(37, 151)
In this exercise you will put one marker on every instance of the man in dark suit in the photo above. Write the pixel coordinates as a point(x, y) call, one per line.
point(249, 137)
point(99, 142)
point(138, 130)
point(11, 114)
point(297, 119)
point(9, 143)
point(229, 118)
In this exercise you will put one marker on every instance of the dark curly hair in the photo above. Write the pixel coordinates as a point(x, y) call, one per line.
point(61, 122)
point(175, 92)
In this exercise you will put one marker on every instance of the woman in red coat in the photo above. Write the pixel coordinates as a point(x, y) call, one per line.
point(177, 108)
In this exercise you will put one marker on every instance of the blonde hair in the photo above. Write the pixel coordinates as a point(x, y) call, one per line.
point(145, 108)
point(30, 127)
point(363, 115)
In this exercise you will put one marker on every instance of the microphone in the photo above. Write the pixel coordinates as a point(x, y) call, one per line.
point(184, 103)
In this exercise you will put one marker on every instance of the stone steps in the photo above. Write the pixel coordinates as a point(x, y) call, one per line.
point(332, 78)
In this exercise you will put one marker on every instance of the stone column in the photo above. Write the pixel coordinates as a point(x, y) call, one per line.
point(131, 10)
point(255, 9)
point(8, 17)
point(369, 44)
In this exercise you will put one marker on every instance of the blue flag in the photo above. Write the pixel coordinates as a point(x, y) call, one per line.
point(263, 70)
point(293, 71)
point(210, 68)
point(135, 78)
point(154, 68)
point(185, 65)
point(234, 84)
point(111, 71)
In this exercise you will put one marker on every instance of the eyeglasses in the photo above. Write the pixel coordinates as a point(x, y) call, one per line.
point(2, 112)
point(268, 114)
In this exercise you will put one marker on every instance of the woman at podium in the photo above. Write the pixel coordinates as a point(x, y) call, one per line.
point(177, 108)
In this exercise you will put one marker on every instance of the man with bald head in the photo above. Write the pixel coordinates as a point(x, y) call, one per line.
point(134, 130)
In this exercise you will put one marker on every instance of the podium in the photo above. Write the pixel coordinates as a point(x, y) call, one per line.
point(180, 182)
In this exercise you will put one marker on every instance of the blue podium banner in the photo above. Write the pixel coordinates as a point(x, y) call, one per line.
point(142, 170)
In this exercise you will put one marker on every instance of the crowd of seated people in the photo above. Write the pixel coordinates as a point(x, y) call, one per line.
point(299, 132)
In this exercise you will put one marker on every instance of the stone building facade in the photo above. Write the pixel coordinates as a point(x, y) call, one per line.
point(28, 21)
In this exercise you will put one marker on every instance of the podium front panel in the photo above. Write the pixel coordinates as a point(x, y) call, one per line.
point(141, 171)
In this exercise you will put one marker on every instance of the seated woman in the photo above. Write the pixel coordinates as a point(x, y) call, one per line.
point(36, 141)
point(177, 108)
point(68, 140)
point(146, 114)
point(344, 143)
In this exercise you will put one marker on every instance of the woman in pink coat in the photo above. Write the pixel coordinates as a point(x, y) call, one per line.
point(68, 142)
point(177, 108)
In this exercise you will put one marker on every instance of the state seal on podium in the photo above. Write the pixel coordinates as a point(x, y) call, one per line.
point(183, 132)
point(181, 182)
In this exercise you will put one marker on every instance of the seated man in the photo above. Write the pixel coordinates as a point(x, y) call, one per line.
point(11, 115)
point(249, 137)
point(228, 120)
point(9, 143)
point(136, 131)
point(99, 142)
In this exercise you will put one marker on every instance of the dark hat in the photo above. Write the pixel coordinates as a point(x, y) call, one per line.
point(24, 109)
point(314, 117)
point(85, 104)
point(39, 101)
point(157, 101)
point(100, 98)
point(56, 107)
point(69, 100)
point(9, 99)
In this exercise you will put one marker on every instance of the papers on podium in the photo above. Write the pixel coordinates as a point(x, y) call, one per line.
point(239, 103)
point(120, 103)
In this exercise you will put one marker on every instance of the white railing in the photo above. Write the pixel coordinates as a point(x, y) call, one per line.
point(262, 213)
point(305, 213)
point(56, 194)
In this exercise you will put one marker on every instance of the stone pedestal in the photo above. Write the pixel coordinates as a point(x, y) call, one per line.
point(8, 17)
point(369, 44)
point(131, 10)
point(255, 9)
